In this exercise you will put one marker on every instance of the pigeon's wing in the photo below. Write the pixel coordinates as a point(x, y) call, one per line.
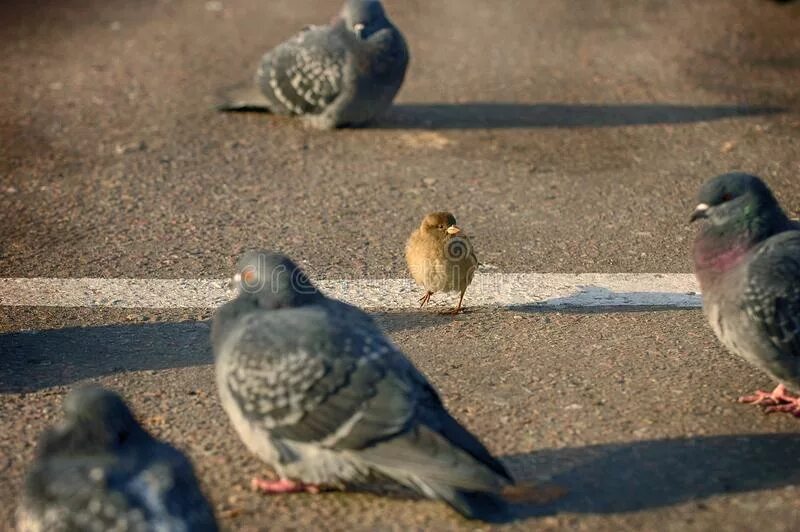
point(304, 74)
point(438, 456)
point(434, 417)
point(297, 375)
point(772, 294)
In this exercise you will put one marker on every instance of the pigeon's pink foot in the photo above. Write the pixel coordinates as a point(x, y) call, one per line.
point(792, 408)
point(778, 397)
point(282, 486)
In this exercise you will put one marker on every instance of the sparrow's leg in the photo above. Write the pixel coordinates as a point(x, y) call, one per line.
point(282, 486)
point(424, 299)
point(459, 308)
point(778, 396)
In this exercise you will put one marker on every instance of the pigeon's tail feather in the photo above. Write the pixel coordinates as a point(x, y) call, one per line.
point(480, 505)
point(242, 97)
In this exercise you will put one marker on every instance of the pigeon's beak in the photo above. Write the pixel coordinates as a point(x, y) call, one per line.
point(701, 211)
point(358, 28)
point(453, 230)
point(235, 282)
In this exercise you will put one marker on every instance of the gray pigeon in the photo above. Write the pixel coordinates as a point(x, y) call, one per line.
point(342, 74)
point(100, 470)
point(747, 261)
point(316, 390)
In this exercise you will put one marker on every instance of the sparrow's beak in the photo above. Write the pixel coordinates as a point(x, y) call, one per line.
point(453, 230)
point(701, 211)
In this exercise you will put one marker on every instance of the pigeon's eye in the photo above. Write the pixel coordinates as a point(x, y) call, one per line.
point(727, 196)
point(249, 275)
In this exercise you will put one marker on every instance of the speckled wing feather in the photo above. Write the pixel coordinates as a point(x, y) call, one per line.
point(772, 294)
point(304, 380)
point(304, 74)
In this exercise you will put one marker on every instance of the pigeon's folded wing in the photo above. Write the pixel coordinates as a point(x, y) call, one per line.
point(304, 381)
point(304, 74)
point(772, 295)
point(351, 390)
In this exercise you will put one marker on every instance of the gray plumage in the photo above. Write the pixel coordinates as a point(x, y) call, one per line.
point(100, 470)
point(319, 393)
point(747, 260)
point(342, 74)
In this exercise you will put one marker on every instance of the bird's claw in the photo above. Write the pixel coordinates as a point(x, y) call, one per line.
point(792, 408)
point(759, 397)
point(424, 299)
point(778, 400)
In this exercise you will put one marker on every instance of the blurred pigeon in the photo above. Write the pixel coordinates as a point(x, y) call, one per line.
point(100, 470)
point(440, 257)
point(319, 393)
point(747, 261)
point(342, 74)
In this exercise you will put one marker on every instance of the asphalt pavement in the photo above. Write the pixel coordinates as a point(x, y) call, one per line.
point(566, 136)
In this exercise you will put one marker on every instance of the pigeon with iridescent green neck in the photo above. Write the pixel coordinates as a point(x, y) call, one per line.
point(747, 261)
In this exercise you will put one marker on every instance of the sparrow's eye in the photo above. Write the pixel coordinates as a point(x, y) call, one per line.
point(440, 226)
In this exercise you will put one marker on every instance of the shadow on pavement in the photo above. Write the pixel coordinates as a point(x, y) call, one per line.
point(391, 321)
point(33, 360)
point(479, 115)
point(601, 300)
point(639, 475)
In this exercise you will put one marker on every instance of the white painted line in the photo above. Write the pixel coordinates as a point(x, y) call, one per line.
point(487, 289)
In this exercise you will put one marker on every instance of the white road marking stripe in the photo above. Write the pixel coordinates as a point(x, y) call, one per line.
point(487, 289)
